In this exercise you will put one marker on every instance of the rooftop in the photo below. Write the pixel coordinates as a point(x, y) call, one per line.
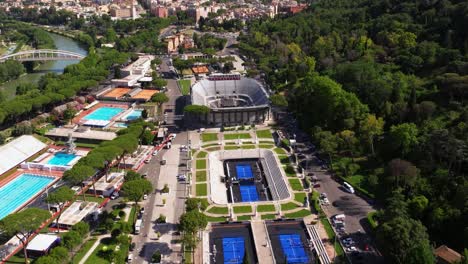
point(84, 133)
point(41, 242)
point(76, 212)
point(18, 150)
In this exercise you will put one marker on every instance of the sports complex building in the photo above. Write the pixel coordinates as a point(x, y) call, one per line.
point(245, 176)
point(232, 99)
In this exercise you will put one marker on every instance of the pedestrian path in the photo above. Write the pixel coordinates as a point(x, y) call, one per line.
point(262, 242)
point(91, 250)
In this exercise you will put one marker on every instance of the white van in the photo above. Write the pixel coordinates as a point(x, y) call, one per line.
point(348, 187)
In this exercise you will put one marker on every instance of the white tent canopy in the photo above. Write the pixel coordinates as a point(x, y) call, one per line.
point(17, 151)
point(41, 242)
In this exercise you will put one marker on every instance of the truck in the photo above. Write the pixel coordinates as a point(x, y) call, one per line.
point(138, 224)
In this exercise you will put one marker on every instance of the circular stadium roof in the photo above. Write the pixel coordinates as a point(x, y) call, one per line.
point(228, 94)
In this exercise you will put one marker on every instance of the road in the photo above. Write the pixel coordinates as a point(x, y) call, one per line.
point(354, 207)
point(176, 163)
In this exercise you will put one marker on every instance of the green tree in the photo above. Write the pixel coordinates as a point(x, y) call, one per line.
point(68, 114)
point(192, 221)
point(159, 83)
point(23, 225)
point(160, 98)
point(404, 136)
point(71, 239)
point(371, 127)
point(134, 190)
point(279, 100)
point(60, 197)
point(132, 175)
point(405, 241)
point(194, 203)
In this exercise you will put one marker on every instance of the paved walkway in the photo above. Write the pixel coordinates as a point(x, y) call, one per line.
point(91, 250)
point(262, 242)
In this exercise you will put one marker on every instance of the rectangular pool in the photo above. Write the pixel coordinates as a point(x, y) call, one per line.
point(134, 114)
point(17, 192)
point(61, 159)
point(104, 113)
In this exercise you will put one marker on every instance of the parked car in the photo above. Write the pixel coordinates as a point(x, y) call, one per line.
point(181, 177)
point(162, 162)
point(147, 161)
point(155, 153)
point(114, 195)
point(348, 187)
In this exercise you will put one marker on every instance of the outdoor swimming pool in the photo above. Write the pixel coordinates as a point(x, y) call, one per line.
point(134, 114)
point(104, 113)
point(61, 159)
point(20, 190)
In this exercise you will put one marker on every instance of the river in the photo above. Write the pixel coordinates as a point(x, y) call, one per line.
point(61, 43)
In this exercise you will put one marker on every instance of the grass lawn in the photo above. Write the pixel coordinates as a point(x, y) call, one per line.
point(216, 219)
point(201, 176)
point(266, 146)
point(244, 218)
point(331, 235)
point(132, 216)
point(243, 209)
point(264, 133)
point(266, 208)
point(284, 159)
point(94, 258)
point(83, 250)
point(280, 151)
point(209, 137)
point(202, 154)
point(213, 149)
point(218, 210)
point(268, 217)
point(298, 214)
point(201, 164)
point(201, 189)
point(210, 145)
point(299, 197)
point(231, 147)
point(289, 206)
point(184, 86)
point(236, 136)
point(296, 184)
point(248, 147)
point(91, 198)
point(188, 256)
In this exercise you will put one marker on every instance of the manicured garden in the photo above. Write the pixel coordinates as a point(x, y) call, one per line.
point(184, 86)
point(264, 134)
point(201, 189)
point(296, 184)
point(266, 208)
point(209, 137)
point(237, 136)
point(201, 176)
point(218, 210)
point(243, 209)
point(201, 164)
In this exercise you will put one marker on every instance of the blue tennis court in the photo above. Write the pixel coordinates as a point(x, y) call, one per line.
point(293, 248)
point(233, 250)
point(244, 171)
point(248, 192)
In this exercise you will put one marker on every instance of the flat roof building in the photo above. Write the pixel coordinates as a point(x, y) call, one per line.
point(41, 244)
point(106, 188)
point(76, 213)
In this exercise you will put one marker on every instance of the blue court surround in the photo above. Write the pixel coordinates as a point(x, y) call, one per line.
point(293, 248)
point(248, 192)
point(233, 250)
point(244, 172)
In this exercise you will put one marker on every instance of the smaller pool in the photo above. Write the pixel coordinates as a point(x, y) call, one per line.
point(61, 159)
point(120, 125)
point(104, 113)
point(134, 114)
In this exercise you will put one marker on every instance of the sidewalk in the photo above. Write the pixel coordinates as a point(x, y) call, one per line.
point(91, 250)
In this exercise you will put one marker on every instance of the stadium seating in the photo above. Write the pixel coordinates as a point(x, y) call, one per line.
point(274, 177)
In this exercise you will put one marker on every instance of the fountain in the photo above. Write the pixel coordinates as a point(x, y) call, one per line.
point(70, 145)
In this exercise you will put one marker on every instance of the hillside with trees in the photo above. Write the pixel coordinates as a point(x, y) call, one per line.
point(381, 87)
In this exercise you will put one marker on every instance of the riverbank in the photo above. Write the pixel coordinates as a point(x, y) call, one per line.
point(61, 42)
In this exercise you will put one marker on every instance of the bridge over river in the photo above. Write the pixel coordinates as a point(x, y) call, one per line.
point(43, 55)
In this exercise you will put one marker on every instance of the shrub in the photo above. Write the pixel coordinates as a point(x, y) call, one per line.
point(116, 232)
point(82, 228)
point(122, 214)
point(60, 254)
point(289, 169)
point(192, 204)
point(71, 239)
point(156, 257)
point(161, 219)
point(165, 189)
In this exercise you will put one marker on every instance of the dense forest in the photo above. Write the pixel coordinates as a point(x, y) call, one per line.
point(381, 86)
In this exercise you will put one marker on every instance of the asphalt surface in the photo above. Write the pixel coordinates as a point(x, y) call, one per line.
point(144, 246)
